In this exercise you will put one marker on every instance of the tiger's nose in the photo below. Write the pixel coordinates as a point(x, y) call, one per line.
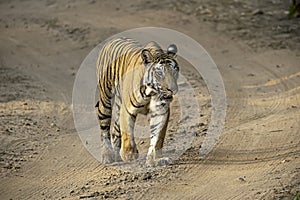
point(168, 94)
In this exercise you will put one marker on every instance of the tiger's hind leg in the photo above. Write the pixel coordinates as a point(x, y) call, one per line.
point(116, 132)
point(104, 116)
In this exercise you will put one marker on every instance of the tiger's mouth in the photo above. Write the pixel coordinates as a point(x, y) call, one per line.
point(158, 92)
point(166, 96)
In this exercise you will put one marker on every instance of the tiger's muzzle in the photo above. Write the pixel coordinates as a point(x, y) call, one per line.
point(167, 95)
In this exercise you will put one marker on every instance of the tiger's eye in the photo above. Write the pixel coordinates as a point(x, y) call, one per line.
point(160, 73)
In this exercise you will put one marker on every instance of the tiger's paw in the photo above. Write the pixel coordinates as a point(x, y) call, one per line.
point(150, 163)
point(129, 154)
point(163, 161)
point(108, 154)
point(117, 156)
point(158, 162)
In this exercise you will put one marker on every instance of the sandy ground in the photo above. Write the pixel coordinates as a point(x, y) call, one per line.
point(256, 48)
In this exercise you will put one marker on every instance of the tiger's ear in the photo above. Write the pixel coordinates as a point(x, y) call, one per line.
point(147, 56)
point(172, 50)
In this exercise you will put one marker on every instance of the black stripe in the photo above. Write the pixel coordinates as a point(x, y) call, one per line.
point(132, 57)
point(134, 98)
point(156, 115)
point(123, 63)
point(107, 89)
point(104, 128)
point(103, 93)
point(108, 77)
point(154, 126)
point(118, 106)
point(118, 50)
point(142, 90)
point(103, 116)
point(118, 136)
point(105, 105)
point(131, 115)
point(151, 136)
point(118, 69)
point(117, 128)
point(136, 106)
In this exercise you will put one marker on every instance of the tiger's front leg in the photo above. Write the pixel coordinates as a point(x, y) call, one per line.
point(158, 127)
point(128, 151)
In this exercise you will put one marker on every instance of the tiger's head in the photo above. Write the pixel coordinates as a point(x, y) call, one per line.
point(162, 71)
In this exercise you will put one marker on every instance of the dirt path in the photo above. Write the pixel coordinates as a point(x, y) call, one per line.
point(42, 157)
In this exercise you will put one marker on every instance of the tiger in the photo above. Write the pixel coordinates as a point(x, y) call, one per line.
point(134, 79)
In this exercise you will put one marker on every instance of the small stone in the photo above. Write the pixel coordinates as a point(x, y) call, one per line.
point(17, 167)
point(284, 161)
point(243, 179)
point(202, 124)
point(257, 12)
point(146, 176)
point(8, 166)
point(286, 12)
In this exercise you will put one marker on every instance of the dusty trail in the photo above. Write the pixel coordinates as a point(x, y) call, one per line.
point(257, 156)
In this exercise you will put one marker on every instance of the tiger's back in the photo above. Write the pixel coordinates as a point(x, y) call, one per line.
point(117, 57)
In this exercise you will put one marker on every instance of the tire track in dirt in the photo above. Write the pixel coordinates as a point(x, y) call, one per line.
point(57, 175)
point(259, 117)
point(243, 100)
